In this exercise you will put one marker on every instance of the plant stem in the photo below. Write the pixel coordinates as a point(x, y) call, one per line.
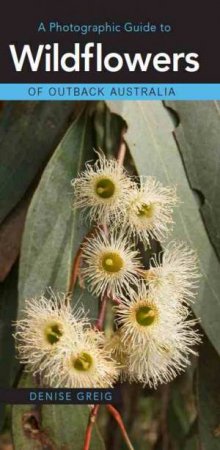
point(121, 153)
point(117, 416)
point(75, 270)
point(76, 263)
point(101, 318)
point(99, 326)
point(92, 419)
point(116, 300)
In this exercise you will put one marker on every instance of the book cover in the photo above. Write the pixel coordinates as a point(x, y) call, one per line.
point(109, 226)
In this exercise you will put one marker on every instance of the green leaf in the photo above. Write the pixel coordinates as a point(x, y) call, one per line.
point(53, 233)
point(109, 129)
point(24, 419)
point(11, 230)
point(182, 413)
point(8, 309)
point(29, 132)
point(52, 427)
point(59, 423)
point(177, 417)
point(198, 139)
point(209, 397)
point(155, 153)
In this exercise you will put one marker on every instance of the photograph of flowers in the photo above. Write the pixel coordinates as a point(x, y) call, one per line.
point(109, 272)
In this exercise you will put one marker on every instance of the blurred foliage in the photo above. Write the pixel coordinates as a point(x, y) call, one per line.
point(42, 149)
point(208, 390)
point(197, 135)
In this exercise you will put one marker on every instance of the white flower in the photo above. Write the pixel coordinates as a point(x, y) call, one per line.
point(174, 273)
point(149, 212)
point(109, 263)
point(103, 188)
point(162, 362)
point(83, 363)
point(158, 337)
point(144, 320)
point(117, 349)
point(47, 323)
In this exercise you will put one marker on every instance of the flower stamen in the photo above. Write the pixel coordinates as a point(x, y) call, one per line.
point(105, 188)
point(82, 362)
point(145, 210)
point(53, 333)
point(145, 315)
point(112, 262)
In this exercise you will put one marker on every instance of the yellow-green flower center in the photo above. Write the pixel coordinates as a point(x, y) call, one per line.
point(82, 362)
point(145, 210)
point(105, 188)
point(146, 315)
point(53, 332)
point(112, 262)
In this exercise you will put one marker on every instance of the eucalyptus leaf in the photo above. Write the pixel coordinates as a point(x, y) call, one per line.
point(109, 129)
point(198, 137)
point(209, 397)
point(8, 310)
point(53, 230)
point(53, 233)
point(23, 423)
point(182, 420)
point(177, 417)
point(155, 153)
point(29, 132)
point(71, 433)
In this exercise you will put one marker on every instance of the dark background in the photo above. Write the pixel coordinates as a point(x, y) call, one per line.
point(195, 29)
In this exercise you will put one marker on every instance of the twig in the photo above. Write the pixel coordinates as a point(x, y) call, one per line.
point(75, 270)
point(76, 263)
point(99, 326)
point(92, 419)
point(121, 153)
point(117, 416)
point(116, 300)
point(101, 318)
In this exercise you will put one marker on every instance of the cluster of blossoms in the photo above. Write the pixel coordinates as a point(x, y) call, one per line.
point(59, 343)
point(154, 336)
